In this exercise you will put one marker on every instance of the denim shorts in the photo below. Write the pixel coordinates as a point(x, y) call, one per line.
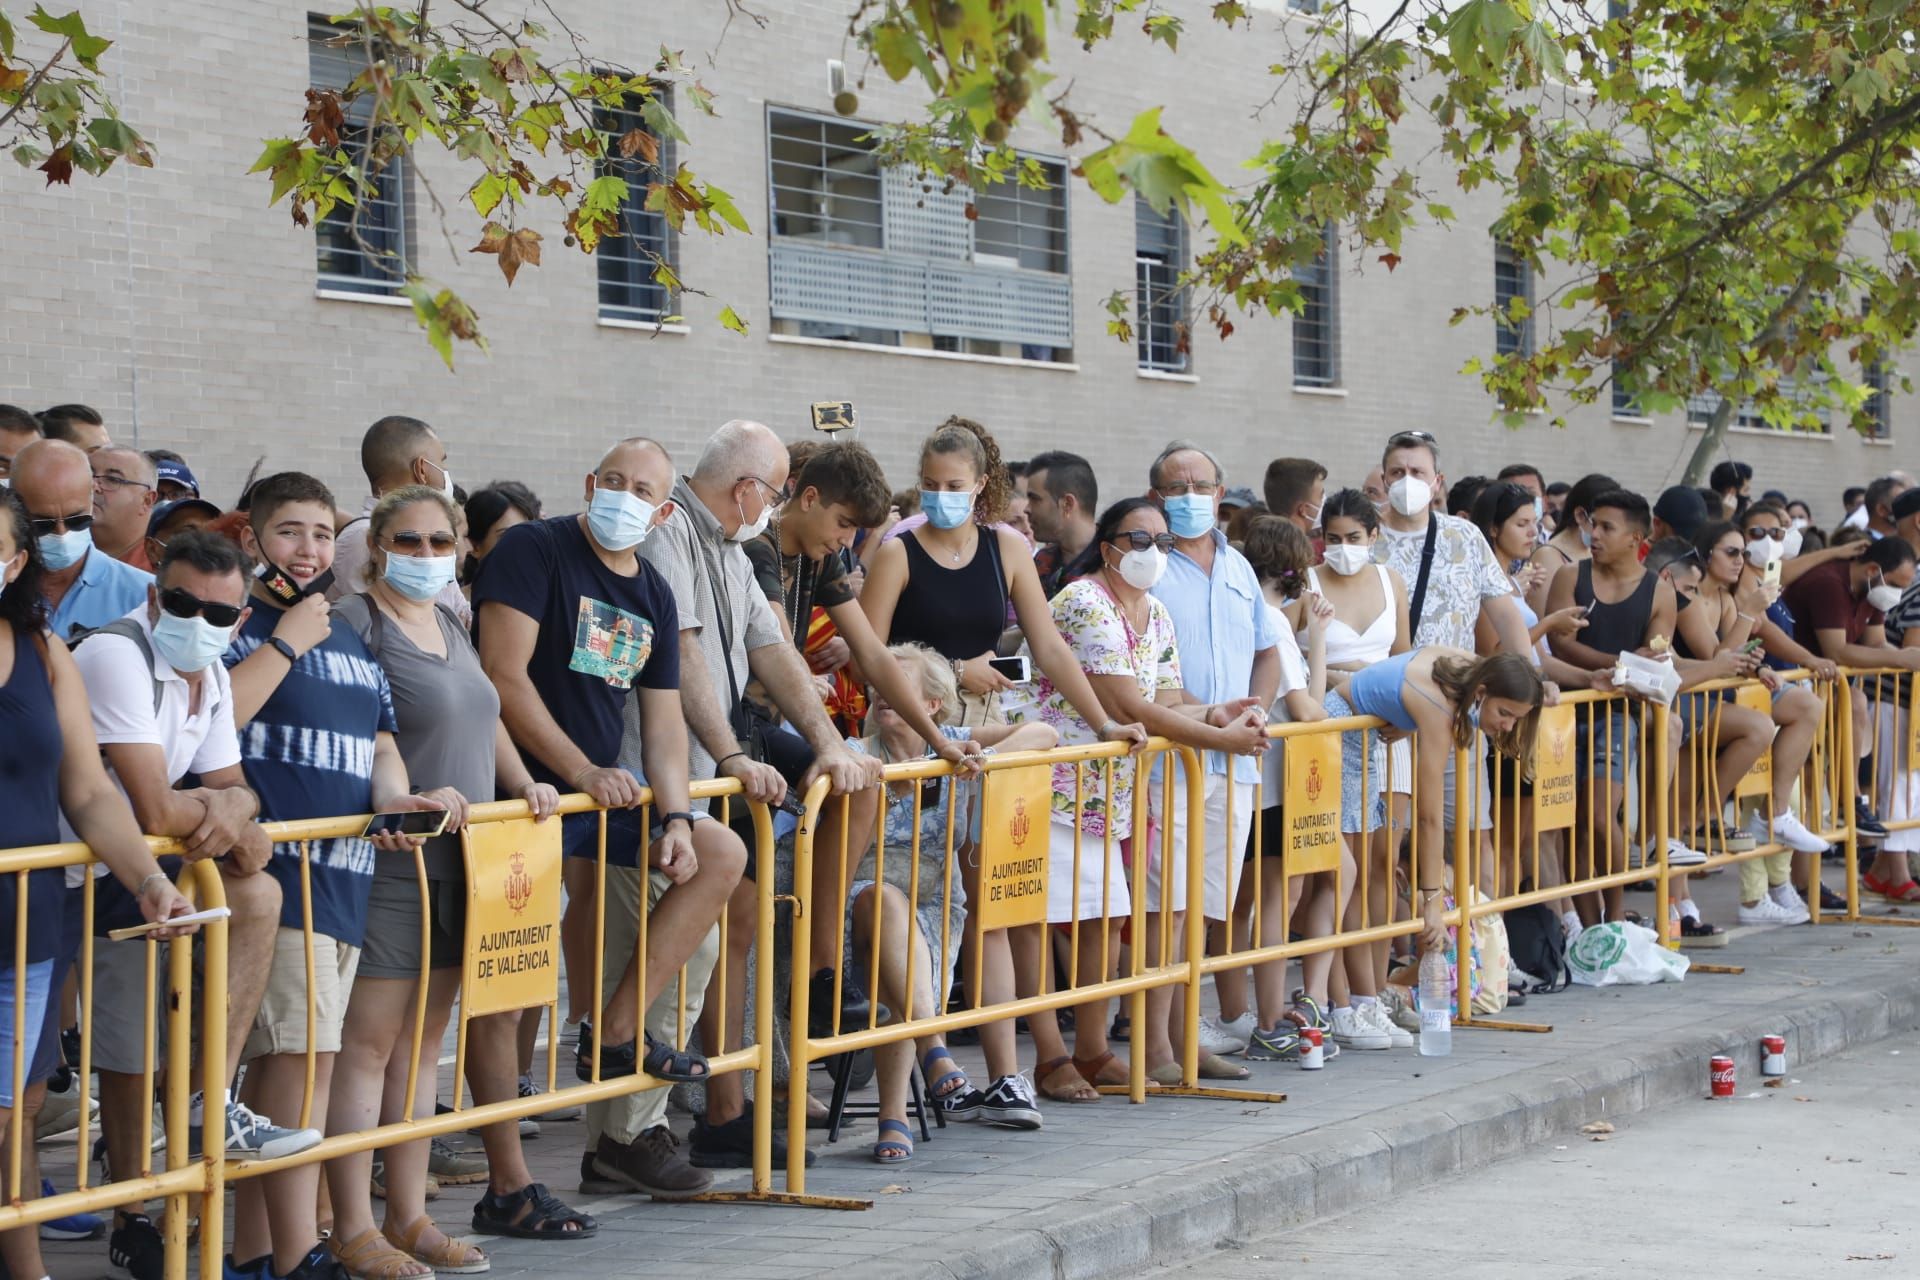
point(39, 986)
point(1602, 741)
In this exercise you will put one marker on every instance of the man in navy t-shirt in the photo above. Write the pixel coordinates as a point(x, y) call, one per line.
point(571, 624)
point(316, 741)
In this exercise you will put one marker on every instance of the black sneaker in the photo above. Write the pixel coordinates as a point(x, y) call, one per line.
point(1009, 1101)
point(135, 1249)
point(1831, 901)
point(730, 1145)
point(319, 1264)
point(967, 1104)
point(1865, 821)
point(855, 1009)
point(652, 1165)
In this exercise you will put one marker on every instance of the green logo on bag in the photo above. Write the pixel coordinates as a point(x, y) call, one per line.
point(1598, 948)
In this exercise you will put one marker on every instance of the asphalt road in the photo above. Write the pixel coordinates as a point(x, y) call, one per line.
point(1818, 1178)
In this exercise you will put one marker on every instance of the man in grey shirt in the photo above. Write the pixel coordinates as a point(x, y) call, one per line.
point(730, 636)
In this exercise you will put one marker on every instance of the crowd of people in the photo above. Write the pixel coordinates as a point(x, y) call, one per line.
point(776, 613)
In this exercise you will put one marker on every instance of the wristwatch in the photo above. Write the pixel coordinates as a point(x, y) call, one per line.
point(683, 816)
point(285, 649)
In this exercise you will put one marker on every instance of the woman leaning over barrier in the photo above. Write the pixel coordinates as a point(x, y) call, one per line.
point(53, 771)
point(456, 749)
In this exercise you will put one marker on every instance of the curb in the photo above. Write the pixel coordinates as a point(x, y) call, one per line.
point(1291, 1182)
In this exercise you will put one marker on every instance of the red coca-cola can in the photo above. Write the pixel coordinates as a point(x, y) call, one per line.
point(1720, 1075)
point(1313, 1051)
point(1773, 1055)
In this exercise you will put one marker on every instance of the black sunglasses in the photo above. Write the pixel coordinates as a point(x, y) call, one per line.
point(1778, 535)
point(41, 526)
point(409, 540)
point(1139, 540)
point(182, 603)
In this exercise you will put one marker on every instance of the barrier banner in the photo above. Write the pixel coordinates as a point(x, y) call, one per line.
point(1555, 769)
point(1017, 812)
point(513, 916)
point(1759, 779)
point(1311, 807)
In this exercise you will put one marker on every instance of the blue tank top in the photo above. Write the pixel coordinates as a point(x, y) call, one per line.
point(1380, 690)
point(30, 748)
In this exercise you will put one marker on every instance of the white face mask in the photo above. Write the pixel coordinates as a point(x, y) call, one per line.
point(1409, 495)
point(1790, 547)
point(1763, 551)
point(1347, 558)
point(1142, 569)
point(748, 532)
point(1885, 597)
point(1800, 522)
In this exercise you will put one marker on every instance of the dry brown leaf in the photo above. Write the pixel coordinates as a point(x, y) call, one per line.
point(640, 142)
point(1776, 1083)
point(1598, 1126)
point(1802, 1098)
point(895, 1189)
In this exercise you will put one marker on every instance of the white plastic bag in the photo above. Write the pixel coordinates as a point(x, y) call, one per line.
point(1617, 954)
point(1652, 678)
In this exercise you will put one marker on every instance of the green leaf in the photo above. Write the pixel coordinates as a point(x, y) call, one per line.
point(661, 120)
point(116, 137)
point(488, 193)
point(1165, 28)
point(1865, 87)
point(6, 36)
point(730, 319)
point(87, 47)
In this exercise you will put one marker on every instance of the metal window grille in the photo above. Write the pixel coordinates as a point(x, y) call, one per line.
point(1512, 281)
point(861, 253)
point(1625, 404)
point(1879, 400)
point(627, 261)
point(375, 259)
point(1701, 407)
point(1159, 256)
point(1316, 326)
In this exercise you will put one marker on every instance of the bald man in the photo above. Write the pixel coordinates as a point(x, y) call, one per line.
point(395, 452)
point(125, 485)
point(729, 637)
point(84, 587)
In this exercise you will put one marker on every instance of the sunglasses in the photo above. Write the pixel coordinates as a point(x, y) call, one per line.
point(1139, 540)
point(182, 603)
point(42, 526)
point(410, 541)
point(1778, 535)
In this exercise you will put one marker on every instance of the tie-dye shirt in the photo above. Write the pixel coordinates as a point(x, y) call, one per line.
point(308, 753)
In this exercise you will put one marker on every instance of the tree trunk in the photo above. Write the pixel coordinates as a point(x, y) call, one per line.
point(1715, 435)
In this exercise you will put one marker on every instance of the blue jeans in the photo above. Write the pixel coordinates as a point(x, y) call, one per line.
point(39, 986)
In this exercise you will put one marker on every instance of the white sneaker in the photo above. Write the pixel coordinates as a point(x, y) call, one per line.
point(1224, 1036)
point(1356, 1032)
point(1680, 855)
point(1791, 832)
point(60, 1113)
point(1376, 1015)
point(1768, 912)
point(1788, 898)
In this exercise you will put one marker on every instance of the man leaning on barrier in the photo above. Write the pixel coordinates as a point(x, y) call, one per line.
point(581, 638)
point(163, 709)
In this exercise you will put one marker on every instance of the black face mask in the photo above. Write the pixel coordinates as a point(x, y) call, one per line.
point(279, 584)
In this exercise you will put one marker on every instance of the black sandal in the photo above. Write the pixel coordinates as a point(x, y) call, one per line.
point(546, 1217)
point(682, 1066)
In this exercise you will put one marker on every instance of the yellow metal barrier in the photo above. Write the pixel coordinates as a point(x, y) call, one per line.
point(1878, 726)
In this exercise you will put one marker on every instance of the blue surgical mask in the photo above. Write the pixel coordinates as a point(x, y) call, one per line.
point(64, 550)
point(1189, 515)
point(189, 644)
point(945, 508)
point(619, 520)
point(418, 577)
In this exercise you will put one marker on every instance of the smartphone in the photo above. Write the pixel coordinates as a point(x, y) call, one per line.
point(409, 822)
point(832, 415)
point(192, 917)
point(1018, 668)
point(1751, 645)
point(1770, 576)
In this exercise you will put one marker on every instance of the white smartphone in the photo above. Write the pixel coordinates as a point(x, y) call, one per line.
point(192, 917)
point(1018, 668)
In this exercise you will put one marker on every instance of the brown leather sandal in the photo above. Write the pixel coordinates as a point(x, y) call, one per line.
point(449, 1257)
point(370, 1256)
point(1105, 1069)
point(1059, 1081)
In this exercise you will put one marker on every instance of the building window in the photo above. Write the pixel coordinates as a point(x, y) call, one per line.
point(1316, 325)
point(1159, 257)
point(361, 247)
point(1625, 403)
point(1512, 282)
point(1701, 407)
point(859, 252)
point(628, 260)
point(1879, 400)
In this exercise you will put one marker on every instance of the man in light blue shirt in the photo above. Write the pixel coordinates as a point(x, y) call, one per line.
point(1228, 643)
point(85, 587)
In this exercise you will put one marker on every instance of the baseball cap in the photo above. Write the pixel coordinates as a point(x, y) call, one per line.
point(178, 473)
point(166, 509)
point(1682, 509)
point(1238, 497)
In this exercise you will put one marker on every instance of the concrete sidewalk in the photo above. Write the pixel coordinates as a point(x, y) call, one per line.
point(1108, 1188)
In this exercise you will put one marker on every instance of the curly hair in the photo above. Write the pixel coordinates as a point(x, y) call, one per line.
point(964, 435)
point(1279, 552)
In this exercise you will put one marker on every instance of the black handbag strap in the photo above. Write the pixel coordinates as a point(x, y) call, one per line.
point(726, 635)
point(1426, 570)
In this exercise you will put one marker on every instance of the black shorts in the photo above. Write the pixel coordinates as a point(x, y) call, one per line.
point(1271, 833)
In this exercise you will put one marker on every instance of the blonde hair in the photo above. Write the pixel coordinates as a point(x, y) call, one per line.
point(934, 675)
point(391, 504)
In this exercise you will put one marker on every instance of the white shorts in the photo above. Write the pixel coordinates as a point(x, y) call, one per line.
point(1224, 848)
point(1897, 788)
point(1101, 892)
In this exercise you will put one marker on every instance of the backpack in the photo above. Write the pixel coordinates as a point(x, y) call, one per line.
point(131, 630)
point(1538, 948)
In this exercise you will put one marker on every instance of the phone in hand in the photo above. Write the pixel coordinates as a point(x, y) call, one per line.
point(409, 822)
point(1770, 576)
point(832, 415)
point(1751, 645)
point(1018, 668)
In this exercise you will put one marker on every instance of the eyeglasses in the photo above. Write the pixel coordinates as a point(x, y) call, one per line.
point(41, 526)
point(182, 603)
point(410, 541)
point(1731, 553)
point(111, 479)
point(1778, 535)
point(1139, 540)
point(779, 497)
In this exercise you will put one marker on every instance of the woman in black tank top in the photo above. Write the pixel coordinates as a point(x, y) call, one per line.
point(947, 584)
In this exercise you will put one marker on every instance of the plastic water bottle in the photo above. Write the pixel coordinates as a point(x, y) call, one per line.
point(1436, 1006)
